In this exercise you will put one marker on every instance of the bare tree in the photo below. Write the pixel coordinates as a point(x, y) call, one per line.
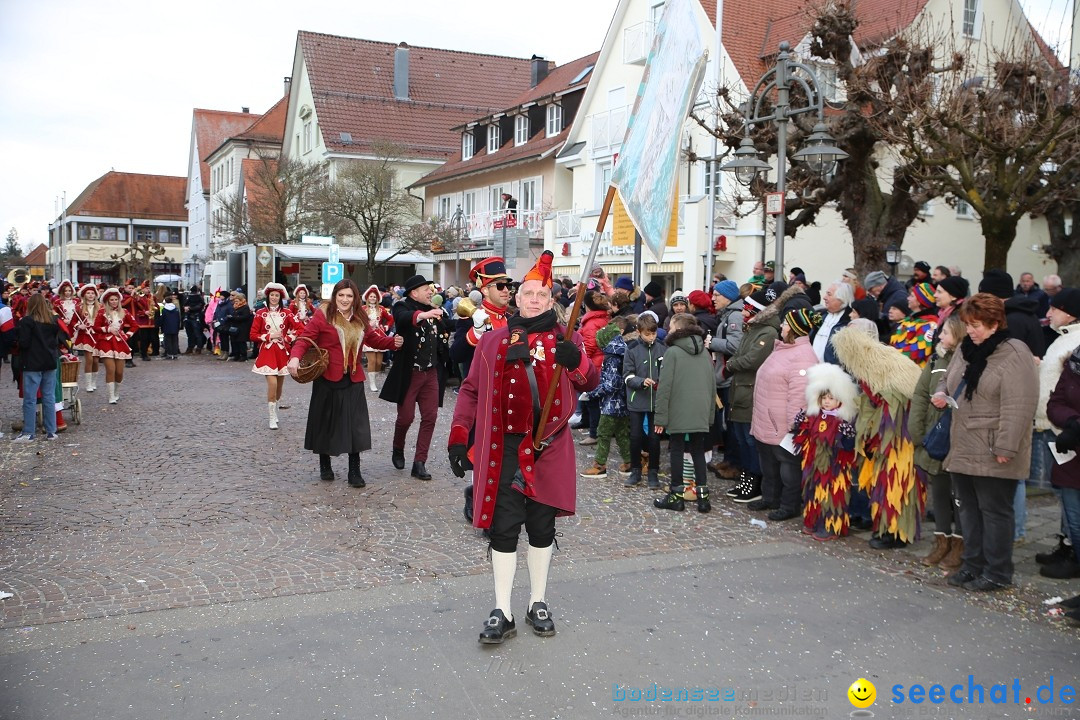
point(367, 198)
point(136, 260)
point(276, 204)
point(1003, 138)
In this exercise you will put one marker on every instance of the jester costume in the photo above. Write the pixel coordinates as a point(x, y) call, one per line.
point(887, 379)
point(914, 335)
point(826, 443)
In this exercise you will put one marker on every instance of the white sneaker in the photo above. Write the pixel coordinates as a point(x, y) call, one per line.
point(23, 439)
point(52, 436)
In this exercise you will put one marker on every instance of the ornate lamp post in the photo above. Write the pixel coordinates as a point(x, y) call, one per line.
point(820, 152)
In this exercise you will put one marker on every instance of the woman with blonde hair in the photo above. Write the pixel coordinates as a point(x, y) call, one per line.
point(112, 329)
point(39, 336)
point(338, 416)
point(380, 317)
point(274, 329)
point(89, 309)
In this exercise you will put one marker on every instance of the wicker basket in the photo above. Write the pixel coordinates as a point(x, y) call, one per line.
point(313, 362)
point(69, 372)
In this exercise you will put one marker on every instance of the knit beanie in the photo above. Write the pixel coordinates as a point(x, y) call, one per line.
point(802, 321)
point(728, 289)
point(625, 283)
point(756, 302)
point(998, 283)
point(653, 289)
point(924, 293)
point(873, 279)
point(956, 286)
point(701, 299)
point(678, 296)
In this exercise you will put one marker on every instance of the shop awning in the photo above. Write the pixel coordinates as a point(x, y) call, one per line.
point(349, 254)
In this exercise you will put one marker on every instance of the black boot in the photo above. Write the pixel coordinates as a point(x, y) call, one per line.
point(419, 471)
point(751, 491)
point(398, 458)
point(672, 501)
point(703, 504)
point(355, 478)
point(326, 472)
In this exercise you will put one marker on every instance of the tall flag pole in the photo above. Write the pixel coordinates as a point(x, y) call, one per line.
point(646, 173)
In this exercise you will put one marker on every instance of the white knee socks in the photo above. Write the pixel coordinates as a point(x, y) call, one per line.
point(539, 562)
point(503, 567)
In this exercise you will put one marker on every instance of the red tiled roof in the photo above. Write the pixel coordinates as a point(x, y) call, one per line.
point(213, 127)
point(132, 195)
point(754, 29)
point(557, 81)
point(270, 127)
point(352, 84)
point(37, 256)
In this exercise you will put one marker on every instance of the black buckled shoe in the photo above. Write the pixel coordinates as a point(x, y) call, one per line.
point(540, 620)
point(398, 458)
point(958, 578)
point(671, 501)
point(419, 471)
point(497, 628)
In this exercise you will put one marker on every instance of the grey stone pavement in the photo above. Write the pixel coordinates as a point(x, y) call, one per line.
point(172, 557)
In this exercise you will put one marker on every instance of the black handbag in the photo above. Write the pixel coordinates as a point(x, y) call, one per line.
point(937, 440)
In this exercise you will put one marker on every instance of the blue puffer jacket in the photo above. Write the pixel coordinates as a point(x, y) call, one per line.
point(612, 388)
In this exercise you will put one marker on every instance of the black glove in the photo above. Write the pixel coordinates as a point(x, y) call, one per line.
point(1069, 439)
point(726, 373)
point(459, 456)
point(567, 354)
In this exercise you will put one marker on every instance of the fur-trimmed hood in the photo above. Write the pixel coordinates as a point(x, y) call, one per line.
point(832, 378)
point(884, 369)
point(692, 339)
point(1050, 369)
point(775, 309)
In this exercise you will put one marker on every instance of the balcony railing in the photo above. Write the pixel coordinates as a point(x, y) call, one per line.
point(637, 42)
point(608, 130)
point(483, 228)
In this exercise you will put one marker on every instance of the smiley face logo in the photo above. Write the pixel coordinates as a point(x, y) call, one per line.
point(862, 693)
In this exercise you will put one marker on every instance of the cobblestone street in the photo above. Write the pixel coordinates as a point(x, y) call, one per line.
point(180, 496)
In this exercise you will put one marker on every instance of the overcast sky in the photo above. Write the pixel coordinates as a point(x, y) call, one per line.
point(87, 87)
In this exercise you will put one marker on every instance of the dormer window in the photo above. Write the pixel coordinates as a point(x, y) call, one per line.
point(494, 139)
point(554, 119)
point(467, 147)
point(521, 129)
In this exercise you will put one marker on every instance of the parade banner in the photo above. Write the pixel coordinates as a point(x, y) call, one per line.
point(645, 175)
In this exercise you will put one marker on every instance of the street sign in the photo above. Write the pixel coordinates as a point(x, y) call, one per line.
point(335, 249)
point(774, 203)
point(265, 257)
point(332, 272)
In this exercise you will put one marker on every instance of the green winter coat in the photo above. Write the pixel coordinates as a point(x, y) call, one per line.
point(686, 393)
point(923, 414)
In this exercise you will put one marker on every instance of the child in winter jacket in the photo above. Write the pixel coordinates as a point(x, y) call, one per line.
point(685, 405)
point(611, 392)
point(641, 372)
point(825, 437)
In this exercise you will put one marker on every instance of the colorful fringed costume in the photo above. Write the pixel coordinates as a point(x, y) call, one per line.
point(887, 379)
point(826, 443)
point(914, 335)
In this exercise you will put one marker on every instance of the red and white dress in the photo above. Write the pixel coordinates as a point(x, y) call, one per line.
point(378, 317)
point(67, 309)
point(275, 329)
point(301, 311)
point(85, 321)
point(111, 331)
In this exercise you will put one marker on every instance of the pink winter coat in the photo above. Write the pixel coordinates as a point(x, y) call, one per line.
point(780, 389)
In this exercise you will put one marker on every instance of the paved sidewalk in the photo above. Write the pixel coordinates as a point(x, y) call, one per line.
point(179, 496)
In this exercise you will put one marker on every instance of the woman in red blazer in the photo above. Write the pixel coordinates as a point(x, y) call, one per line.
point(338, 416)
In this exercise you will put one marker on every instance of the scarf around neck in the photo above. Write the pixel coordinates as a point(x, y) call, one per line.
point(521, 328)
point(977, 356)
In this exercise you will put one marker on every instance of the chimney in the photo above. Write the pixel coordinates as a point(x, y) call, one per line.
point(540, 69)
point(245, 110)
point(288, 84)
point(401, 72)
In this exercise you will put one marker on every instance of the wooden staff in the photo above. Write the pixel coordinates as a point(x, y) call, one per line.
point(578, 300)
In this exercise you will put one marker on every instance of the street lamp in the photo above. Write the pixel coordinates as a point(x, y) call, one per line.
point(457, 227)
point(820, 153)
point(892, 256)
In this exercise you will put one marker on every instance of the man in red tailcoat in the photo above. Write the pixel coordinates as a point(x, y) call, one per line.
point(515, 484)
point(495, 285)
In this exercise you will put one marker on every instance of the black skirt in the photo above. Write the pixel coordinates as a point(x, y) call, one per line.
point(337, 421)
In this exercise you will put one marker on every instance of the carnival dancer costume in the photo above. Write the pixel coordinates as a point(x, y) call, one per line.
point(275, 329)
point(377, 316)
point(85, 337)
point(826, 443)
point(914, 335)
point(513, 483)
point(112, 329)
point(301, 307)
point(887, 379)
point(66, 307)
